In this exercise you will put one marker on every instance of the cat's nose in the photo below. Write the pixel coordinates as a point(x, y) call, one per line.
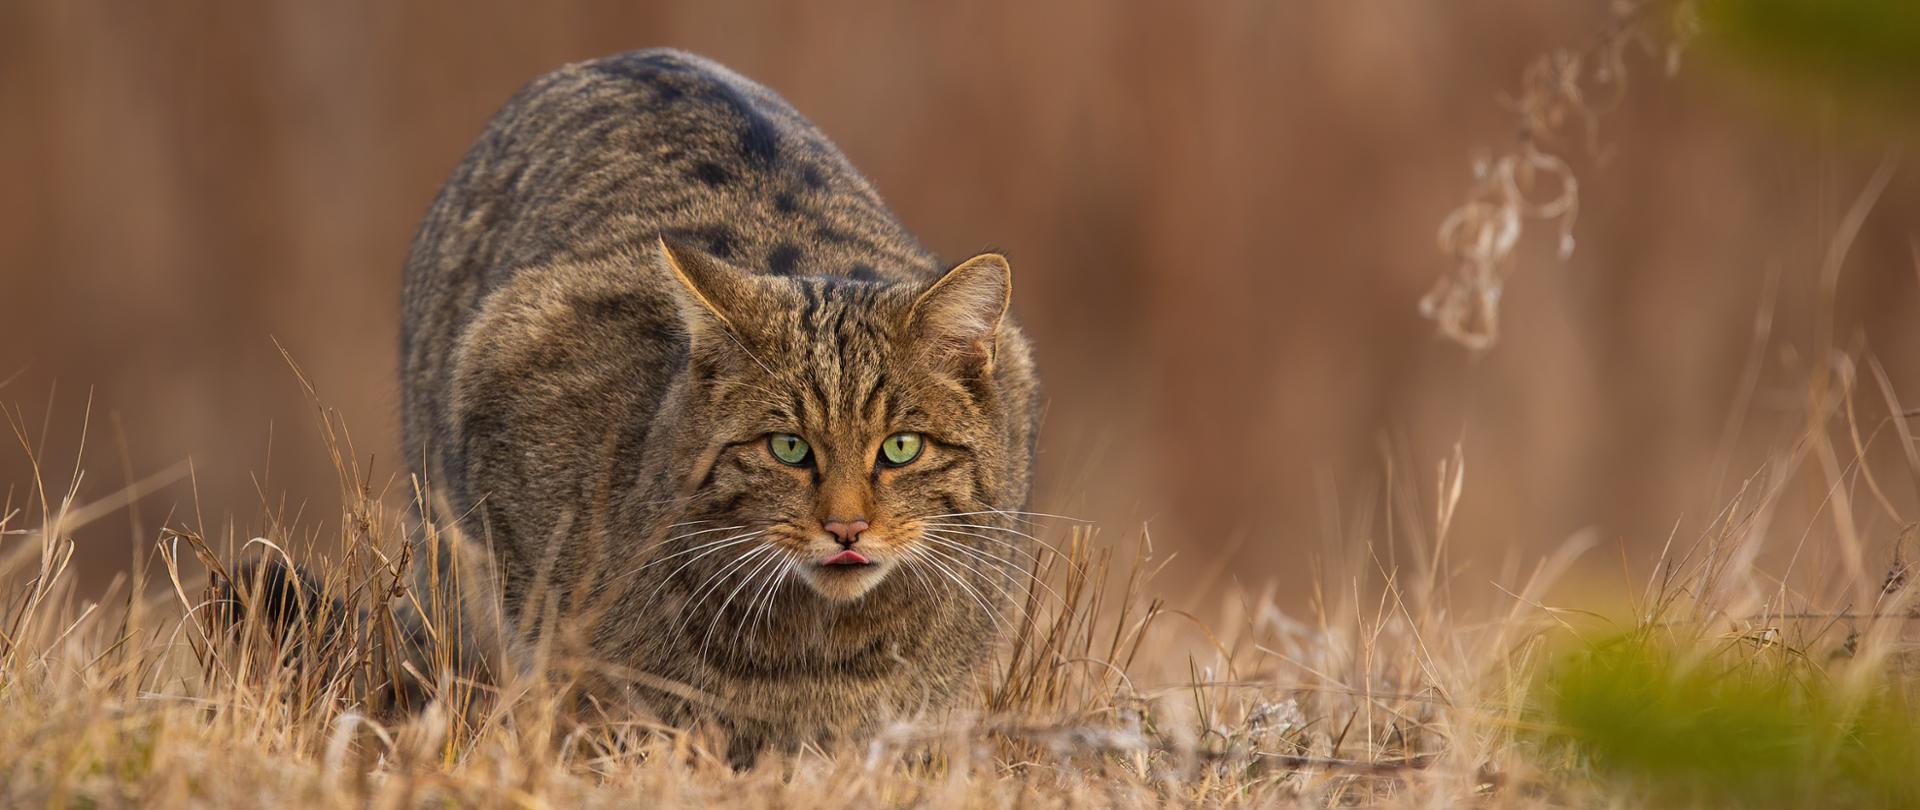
point(847, 532)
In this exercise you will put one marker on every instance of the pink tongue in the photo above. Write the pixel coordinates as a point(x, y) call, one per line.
point(848, 557)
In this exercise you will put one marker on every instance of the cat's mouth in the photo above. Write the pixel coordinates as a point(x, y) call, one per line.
point(845, 574)
point(847, 557)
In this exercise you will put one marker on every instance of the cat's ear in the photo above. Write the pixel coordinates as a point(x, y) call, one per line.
point(710, 294)
point(958, 318)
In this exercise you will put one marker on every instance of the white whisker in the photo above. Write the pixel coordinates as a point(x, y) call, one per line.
point(961, 563)
point(713, 583)
point(966, 525)
point(1043, 544)
point(978, 598)
point(907, 561)
point(1014, 513)
point(765, 607)
point(701, 532)
point(720, 613)
point(1032, 576)
point(710, 544)
point(710, 549)
point(960, 528)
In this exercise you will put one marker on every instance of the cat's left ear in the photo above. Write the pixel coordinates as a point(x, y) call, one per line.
point(958, 318)
point(709, 293)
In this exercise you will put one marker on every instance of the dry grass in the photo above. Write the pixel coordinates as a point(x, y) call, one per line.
point(1388, 692)
point(1763, 659)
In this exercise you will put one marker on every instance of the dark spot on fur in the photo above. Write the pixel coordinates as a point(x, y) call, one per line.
point(812, 176)
point(717, 240)
point(863, 272)
point(644, 67)
point(847, 288)
point(938, 467)
point(828, 233)
point(800, 409)
point(759, 135)
point(711, 173)
point(732, 502)
point(609, 307)
point(511, 182)
point(784, 258)
point(873, 394)
point(785, 203)
point(811, 307)
point(704, 371)
point(550, 355)
point(627, 66)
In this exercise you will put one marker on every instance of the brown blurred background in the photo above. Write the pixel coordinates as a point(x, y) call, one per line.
point(1220, 216)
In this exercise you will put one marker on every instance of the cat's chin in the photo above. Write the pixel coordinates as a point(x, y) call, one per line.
point(845, 583)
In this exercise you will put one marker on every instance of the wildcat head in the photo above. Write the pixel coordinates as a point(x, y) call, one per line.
point(851, 431)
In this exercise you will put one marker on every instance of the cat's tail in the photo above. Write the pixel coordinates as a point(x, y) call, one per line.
point(439, 637)
point(274, 610)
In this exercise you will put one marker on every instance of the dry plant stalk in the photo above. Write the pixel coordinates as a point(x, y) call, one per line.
point(1531, 180)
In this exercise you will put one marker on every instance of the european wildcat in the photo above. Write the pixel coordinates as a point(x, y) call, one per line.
point(667, 352)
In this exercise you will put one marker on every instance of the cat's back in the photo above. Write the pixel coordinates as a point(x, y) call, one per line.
point(595, 161)
point(587, 160)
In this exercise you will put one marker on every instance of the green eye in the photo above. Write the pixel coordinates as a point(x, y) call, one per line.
point(790, 449)
point(900, 448)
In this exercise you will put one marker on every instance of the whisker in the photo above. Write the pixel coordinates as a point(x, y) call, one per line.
point(658, 560)
point(699, 532)
point(720, 613)
point(978, 598)
point(961, 570)
point(712, 585)
point(703, 549)
point(998, 565)
point(931, 587)
point(966, 525)
point(925, 583)
point(1015, 513)
point(1032, 576)
point(993, 581)
point(766, 605)
point(668, 579)
point(959, 528)
point(954, 527)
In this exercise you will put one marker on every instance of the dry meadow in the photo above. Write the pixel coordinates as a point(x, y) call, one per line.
point(1608, 499)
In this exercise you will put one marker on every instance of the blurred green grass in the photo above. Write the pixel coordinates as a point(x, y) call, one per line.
point(1863, 52)
point(1732, 723)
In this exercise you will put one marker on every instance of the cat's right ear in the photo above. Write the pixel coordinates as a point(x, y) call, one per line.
point(957, 320)
point(706, 292)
